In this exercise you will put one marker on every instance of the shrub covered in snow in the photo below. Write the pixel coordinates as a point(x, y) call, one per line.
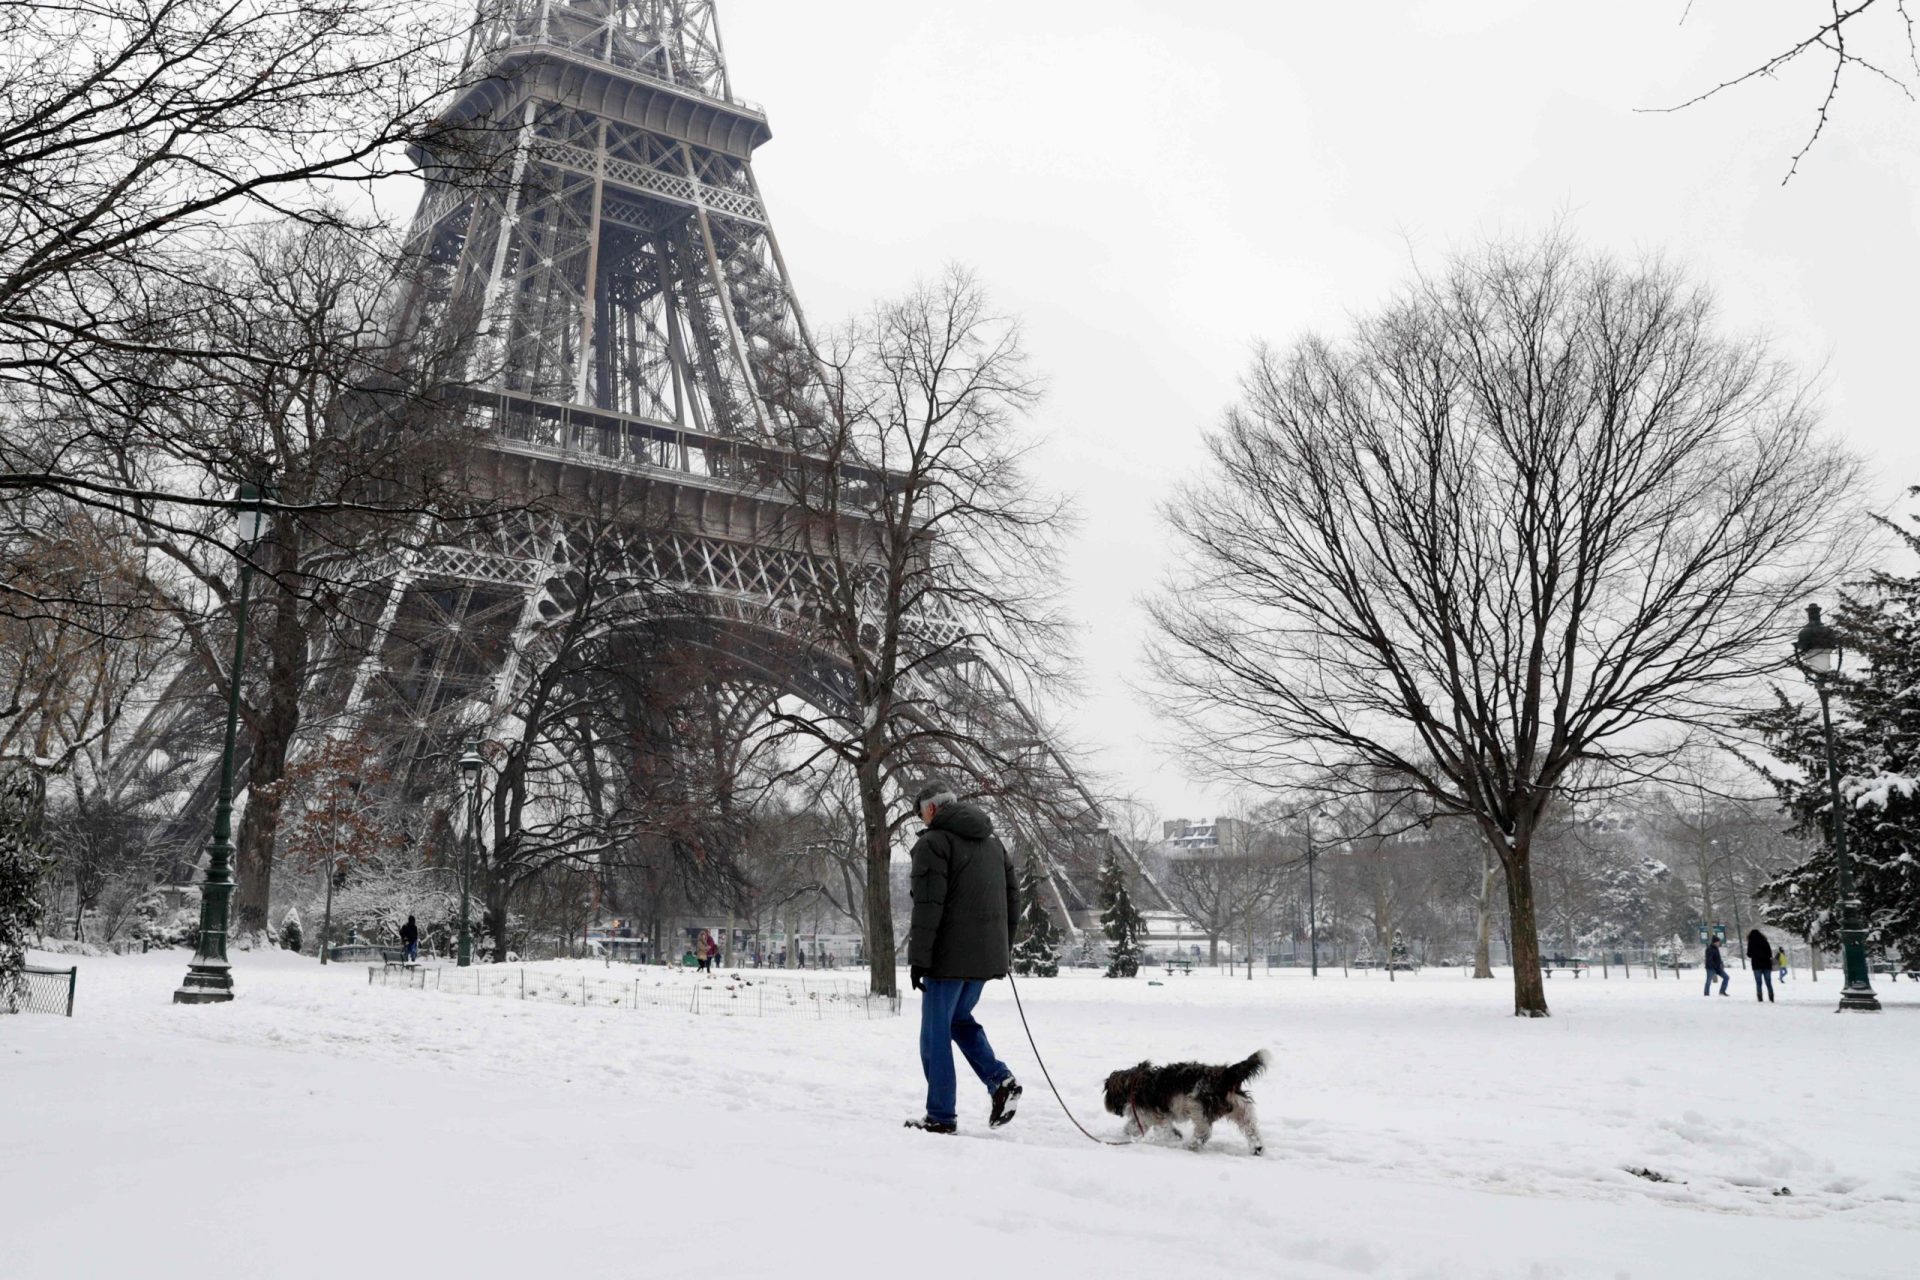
point(1036, 955)
point(22, 858)
point(290, 936)
point(1120, 919)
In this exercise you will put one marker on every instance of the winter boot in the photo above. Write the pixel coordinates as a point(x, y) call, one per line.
point(931, 1125)
point(1006, 1100)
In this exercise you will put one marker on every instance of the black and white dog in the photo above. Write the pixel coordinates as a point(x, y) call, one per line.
point(1153, 1097)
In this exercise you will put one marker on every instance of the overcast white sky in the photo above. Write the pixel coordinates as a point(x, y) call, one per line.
point(1155, 186)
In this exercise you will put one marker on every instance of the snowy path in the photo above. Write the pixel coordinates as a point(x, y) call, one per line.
point(318, 1126)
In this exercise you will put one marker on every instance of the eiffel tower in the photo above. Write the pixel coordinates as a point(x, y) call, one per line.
point(632, 304)
point(629, 298)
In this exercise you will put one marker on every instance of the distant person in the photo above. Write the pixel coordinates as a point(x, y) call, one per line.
point(1780, 962)
point(410, 939)
point(713, 953)
point(1760, 959)
point(1715, 966)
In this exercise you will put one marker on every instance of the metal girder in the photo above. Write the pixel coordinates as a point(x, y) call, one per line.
point(634, 305)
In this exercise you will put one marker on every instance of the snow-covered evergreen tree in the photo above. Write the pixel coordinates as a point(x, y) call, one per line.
point(290, 935)
point(1120, 919)
point(22, 859)
point(1035, 955)
point(1876, 711)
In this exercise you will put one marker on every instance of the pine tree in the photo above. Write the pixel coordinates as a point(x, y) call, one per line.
point(290, 936)
point(1035, 955)
point(1121, 921)
point(22, 860)
point(1876, 711)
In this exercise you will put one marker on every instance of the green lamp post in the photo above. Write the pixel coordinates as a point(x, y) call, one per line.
point(470, 764)
point(1313, 908)
point(209, 977)
point(1818, 651)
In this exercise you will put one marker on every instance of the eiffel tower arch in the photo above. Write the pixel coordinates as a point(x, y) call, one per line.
point(632, 304)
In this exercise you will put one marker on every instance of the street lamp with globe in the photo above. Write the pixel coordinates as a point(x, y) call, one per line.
point(1819, 652)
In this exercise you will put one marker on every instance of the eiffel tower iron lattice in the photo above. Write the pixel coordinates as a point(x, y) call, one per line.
point(602, 225)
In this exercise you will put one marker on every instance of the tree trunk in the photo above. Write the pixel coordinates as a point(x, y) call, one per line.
point(1483, 918)
point(1213, 950)
point(873, 816)
point(274, 730)
point(1529, 988)
point(1706, 893)
point(493, 923)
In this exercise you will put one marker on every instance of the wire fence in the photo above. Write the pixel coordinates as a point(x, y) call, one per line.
point(41, 991)
point(817, 999)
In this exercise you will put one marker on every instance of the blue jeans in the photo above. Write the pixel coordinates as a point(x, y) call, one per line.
point(1762, 978)
point(1724, 979)
point(946, 1019)
point(413, 951)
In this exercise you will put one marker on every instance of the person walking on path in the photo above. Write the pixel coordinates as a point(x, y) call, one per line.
point(966, 905)
point(1715, 966)
point(410, 939)
point(713, 953)
point(1780, 962)
point(1760, 959)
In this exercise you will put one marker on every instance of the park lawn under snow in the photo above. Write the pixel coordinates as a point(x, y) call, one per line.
point(320, 1126)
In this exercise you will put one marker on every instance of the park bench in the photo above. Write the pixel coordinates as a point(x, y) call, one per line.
point(350, 952)
point(1184, 966)
point(1403, 966)
point(1576, 967)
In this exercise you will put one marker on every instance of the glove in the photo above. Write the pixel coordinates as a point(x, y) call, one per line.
point(916, 973)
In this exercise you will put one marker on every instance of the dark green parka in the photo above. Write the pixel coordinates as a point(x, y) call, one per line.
point(966, 897)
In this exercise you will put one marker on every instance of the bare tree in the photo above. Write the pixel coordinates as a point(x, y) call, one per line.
point(360, 439)
point(1534, 513)
point(1208, 890)
point(1841, 43)
point(931, 554)
point(130, 130)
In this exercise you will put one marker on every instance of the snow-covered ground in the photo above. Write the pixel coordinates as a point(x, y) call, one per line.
point(319, 1126)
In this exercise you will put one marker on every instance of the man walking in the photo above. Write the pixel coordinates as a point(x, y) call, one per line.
point(1716, 967)
point(1760, 960)
point(966, 903)
point(410, 939)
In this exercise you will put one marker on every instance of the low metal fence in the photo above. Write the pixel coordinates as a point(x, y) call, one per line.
point(43, 991)
point(816, 999)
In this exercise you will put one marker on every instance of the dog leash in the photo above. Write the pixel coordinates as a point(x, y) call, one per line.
point(1105, 1142)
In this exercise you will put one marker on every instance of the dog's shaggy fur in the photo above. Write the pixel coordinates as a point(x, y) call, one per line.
point(1153, 1097)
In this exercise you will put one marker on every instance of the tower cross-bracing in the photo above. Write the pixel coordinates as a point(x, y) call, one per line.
point(591, 219)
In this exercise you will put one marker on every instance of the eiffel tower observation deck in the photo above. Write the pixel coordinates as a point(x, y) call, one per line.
point(603, 232)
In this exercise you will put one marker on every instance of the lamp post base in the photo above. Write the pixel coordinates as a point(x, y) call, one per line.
point(205, 984)
point(1858, 1000)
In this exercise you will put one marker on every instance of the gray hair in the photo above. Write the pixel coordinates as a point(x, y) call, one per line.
point(937, 794)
